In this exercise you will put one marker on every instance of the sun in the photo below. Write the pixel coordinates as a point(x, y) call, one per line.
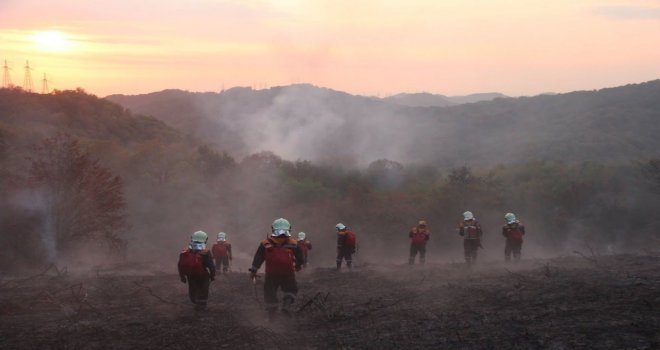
point(52, 41)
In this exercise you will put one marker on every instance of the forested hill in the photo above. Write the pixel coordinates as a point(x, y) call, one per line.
point(27, 118)
point(434, 100)
point(302, 121)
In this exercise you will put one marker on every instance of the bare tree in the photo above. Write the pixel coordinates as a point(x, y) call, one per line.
point(83, 201)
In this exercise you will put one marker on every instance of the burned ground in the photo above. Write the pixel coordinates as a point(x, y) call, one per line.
point(578, 302)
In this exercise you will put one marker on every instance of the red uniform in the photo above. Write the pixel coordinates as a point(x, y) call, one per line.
point(471, 232)
point(305, 246)
point(282, 257)
point(346, 244)
point(222, 255)
point(419, 236)
point(513, 233)
point(197, 269)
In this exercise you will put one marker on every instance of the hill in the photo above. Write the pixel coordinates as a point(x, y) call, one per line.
point(610, 125)
point(26, 118)
point(420, 100)
point(435, 100)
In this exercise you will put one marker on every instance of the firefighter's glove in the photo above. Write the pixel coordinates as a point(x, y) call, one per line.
point(183, 279)
point(298, 267)
point(212, 278)
point(253, 273)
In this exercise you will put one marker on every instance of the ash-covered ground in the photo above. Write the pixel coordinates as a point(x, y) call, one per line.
point(571, 302)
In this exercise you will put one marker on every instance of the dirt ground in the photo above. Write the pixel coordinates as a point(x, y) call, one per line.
point(572, 302)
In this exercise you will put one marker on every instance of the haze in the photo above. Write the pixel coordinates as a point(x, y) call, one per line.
point(367, 47)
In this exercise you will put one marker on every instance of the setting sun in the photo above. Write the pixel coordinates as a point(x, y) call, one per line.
point(52, 41)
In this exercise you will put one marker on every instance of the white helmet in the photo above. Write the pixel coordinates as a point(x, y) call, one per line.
point(301, 236)
point(510, 218)
point(340, 226)
point(222, 237)
point(198, 240)
point(280, 227)
point(468, 216)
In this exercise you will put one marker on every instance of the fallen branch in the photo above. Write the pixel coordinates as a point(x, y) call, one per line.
point(151, 292)
point(309, 302)
point(22, 280)
point(591, 258)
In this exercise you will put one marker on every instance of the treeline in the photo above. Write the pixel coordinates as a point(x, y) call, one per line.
point(155, 188)
point(610, 126)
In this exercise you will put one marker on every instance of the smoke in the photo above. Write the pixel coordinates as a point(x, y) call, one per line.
point(372, 156)
point(321, 125)
point(38, 204)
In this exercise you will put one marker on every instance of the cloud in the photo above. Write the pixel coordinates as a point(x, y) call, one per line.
point(623, 12)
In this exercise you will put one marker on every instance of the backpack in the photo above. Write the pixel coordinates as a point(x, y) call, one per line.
point(219, 250)
point(514, 232)
point(304, 248)
point(471, 230)
point(349, 241)
point(419, 238)
point(279, 258)
point(191, 263)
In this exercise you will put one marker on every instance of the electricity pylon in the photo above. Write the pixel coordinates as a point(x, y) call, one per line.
point(44, 85)
point(27, 79)
point(6, 78)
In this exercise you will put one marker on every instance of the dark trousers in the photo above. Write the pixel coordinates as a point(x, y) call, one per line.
point(514, 246)
point(222, 261)
point(414, 249)
point(470, 247)
point(344, 253)
point(286, 282)
point(198, 290)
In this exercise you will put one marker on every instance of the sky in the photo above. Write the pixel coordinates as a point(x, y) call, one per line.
point(367, 47)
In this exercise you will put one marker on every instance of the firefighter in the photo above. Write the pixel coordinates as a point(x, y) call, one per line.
point(513, 231)
point(419, 236)
point(305, 246)
point(471, 231)
point(283, 258)
point(346, 245)
point(196, 268)
point(222, 252)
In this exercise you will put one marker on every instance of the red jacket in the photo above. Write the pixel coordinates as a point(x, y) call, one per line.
point(221, 249)
point(515, 230)
point(281, 254)
point(305, 246)
point(419, 236)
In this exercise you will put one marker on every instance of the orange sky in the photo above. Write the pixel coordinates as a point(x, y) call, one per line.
point(374, 47)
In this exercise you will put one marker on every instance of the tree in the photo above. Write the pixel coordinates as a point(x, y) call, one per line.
point(262, 161)
point(386, 173)
point(82, 200)
point(211, 163)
